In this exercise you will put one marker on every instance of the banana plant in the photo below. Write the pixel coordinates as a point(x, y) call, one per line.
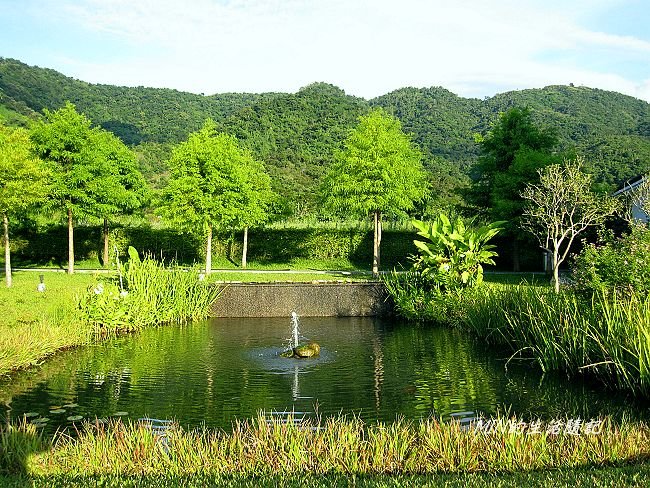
point(453, 253)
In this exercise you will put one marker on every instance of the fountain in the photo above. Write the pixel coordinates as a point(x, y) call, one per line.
point(309, 350)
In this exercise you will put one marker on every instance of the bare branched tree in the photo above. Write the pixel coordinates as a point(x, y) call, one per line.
point(562, 206)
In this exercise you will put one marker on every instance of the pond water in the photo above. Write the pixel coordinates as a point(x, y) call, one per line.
point(216, 371)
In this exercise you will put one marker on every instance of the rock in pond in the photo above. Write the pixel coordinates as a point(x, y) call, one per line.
point(309, 350)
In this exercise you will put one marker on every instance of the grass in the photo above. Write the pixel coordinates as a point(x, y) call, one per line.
point(34, 325)
point(335, 446)
point(634, 476)
point(607, 336)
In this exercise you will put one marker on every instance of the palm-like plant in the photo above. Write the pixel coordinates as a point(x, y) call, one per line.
point(454, 254)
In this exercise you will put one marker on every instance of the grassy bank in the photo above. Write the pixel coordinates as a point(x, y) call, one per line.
point(35, 325)
point(85, 308)
point(269, 448)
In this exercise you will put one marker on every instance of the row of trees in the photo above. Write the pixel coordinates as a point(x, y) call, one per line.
point(64, 163)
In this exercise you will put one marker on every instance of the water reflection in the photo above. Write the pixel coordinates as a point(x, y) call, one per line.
point(217, 371)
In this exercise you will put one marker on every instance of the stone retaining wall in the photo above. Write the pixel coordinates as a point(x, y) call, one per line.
point(306, 299)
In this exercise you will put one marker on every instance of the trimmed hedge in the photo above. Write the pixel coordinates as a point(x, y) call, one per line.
point(266, 246)
point(31, 246)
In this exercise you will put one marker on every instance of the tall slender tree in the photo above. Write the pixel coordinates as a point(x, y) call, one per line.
point(257, 197)
point(208, 173)
point(63, 139)
point(121, 188)
point(23, 181)
point(378, 172)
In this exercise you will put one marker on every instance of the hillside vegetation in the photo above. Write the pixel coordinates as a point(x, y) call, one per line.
point(297, 135)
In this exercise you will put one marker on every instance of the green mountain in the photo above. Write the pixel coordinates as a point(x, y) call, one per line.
point(297, 135)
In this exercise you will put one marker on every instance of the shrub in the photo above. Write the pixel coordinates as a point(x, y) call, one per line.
point(620, 264)
point(453, 255)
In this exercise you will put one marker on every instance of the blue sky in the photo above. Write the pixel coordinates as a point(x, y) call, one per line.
point(475, 48)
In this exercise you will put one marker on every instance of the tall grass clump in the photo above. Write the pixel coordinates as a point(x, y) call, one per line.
point(146, 294)
point(606, 335)
point(268, 447)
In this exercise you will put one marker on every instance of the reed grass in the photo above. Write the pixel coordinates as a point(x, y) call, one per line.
point(148, 294)
point(607, 336)
point(269, 447)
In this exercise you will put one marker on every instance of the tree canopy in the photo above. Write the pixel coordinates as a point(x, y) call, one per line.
point(379, 171)
point(212, 184)
point(23, 181)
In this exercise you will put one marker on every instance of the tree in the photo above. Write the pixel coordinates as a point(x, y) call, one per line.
point(208, 174)
point(23, 181)
point(63, 140)
point(121, 188)
point(379, 171)
point(561, 207)
point(512, 152)
point(257, 196)
point(84, 181)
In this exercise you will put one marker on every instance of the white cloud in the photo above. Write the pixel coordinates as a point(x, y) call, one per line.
point(367, 47)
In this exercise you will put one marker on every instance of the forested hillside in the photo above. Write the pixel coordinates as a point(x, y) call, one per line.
point(297, 135)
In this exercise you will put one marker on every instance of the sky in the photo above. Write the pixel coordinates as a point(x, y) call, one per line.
point(475, 48)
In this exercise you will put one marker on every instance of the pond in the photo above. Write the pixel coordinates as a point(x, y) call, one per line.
point(216, 371)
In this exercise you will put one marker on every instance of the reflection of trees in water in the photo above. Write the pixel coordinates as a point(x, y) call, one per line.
point(445, 375)
point(381, 368)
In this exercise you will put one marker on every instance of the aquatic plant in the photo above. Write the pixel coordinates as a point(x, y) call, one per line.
point(607, 336)
point(153, 294)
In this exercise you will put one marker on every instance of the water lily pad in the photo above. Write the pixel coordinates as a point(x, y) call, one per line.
point(120, 414)
point(29, 415)
point(58, 410)
point(74, 418)
point(40, 420)
point(70, 405)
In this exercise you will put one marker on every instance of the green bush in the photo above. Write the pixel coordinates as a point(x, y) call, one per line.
point(147, 294)
point(621, 264)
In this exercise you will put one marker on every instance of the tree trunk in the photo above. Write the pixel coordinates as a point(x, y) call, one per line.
point(5, 222)
point(106, 258)
point(376, 243)
point(208, 252)
point(556, 270)
point(245, 249)
point(70, 243)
